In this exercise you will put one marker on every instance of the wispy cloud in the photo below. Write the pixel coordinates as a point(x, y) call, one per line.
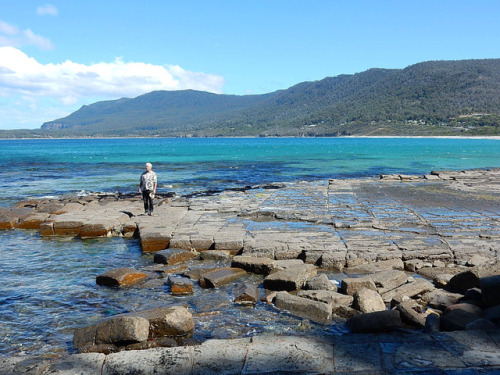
point(47, 10)
point(70, 83)
point(13, 37)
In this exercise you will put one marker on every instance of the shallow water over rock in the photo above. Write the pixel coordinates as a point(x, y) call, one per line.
point(49, 289)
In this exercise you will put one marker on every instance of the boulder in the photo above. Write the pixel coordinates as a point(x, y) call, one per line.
point(379, 321)
point(327, 296)
point(493, 314)
point(318, 312)
point(490, 290)
point(246, 294)
point(464, 280)
point(153, 241)
point(457, 320)
point(215, 254)
point(343, 312)
point(134, 327)
point(388, 280)
point(261, 266)
point(441, 299)
point(411, 313)
point(410, 289)
point(293, 278)
point(320, 282)
point(170, 321)
point(473, 309)
point(384, 265)
point(121, 277)
point(122, 330)
point(351, 285)
point(180, 285)
point(221, 276)
point(173, 256)
point(432, 323)
point(367, 301)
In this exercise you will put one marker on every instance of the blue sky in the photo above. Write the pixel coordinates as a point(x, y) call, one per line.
point(56, 56)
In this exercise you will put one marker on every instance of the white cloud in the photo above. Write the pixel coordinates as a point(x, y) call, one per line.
point(73, 84)
point(13, 37)
point(47, 10)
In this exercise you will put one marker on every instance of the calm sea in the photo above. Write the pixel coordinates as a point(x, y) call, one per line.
point(47, 287)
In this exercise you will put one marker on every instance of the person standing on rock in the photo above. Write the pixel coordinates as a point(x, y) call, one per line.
point(147, 187)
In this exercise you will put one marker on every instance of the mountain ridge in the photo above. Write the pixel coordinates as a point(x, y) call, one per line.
point(435, 97)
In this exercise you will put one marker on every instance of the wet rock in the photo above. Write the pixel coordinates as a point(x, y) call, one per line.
point(215, 254)
point(441, 299)
point(391, 264)
point(493, 314)
point(411, 313)
point(68, 227)
point(379, 321)
point(327, 296)
point(388, 280)
point(172, 321)
point(164, 269)
point(432, 323)
point(367, 301)
point(33, 221)
point(173, 256)
point(318, 312)
point(412, 289)
point(246, 294)
point(344, 312)
point(351, 285)
point(180, 285)
point(47, 229)
point(320, 282)
point(490, 290)
point(457, 320)
point(152, 241)
point(121, 277)
point(261, 266)
point(219, 277)
point(289, 279)
point(481, 325)
point(464, 280)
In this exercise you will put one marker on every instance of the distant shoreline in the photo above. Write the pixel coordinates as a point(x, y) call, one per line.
point(493, 137)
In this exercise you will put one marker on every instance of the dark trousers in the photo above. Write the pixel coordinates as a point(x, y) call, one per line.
point(148, 201)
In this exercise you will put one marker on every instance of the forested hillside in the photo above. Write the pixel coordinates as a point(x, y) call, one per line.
point(430, 98)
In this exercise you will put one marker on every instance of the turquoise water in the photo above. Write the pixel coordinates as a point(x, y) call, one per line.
point(47, 286)
point(55, 167)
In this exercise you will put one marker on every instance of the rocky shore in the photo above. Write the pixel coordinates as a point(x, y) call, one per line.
point(418, 258)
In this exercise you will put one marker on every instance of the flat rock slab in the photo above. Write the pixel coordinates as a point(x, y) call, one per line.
point(173, 256)
point(351, 285)
point(380, 321)
point(121, 277)
point(246, 294)
point(180, 285)
point(388, 280)
point(289, 279)
point(327, 296)
point(391, 264)
point(262, 266)
point(318, 312)
point(222, 276)
point(418, 286)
